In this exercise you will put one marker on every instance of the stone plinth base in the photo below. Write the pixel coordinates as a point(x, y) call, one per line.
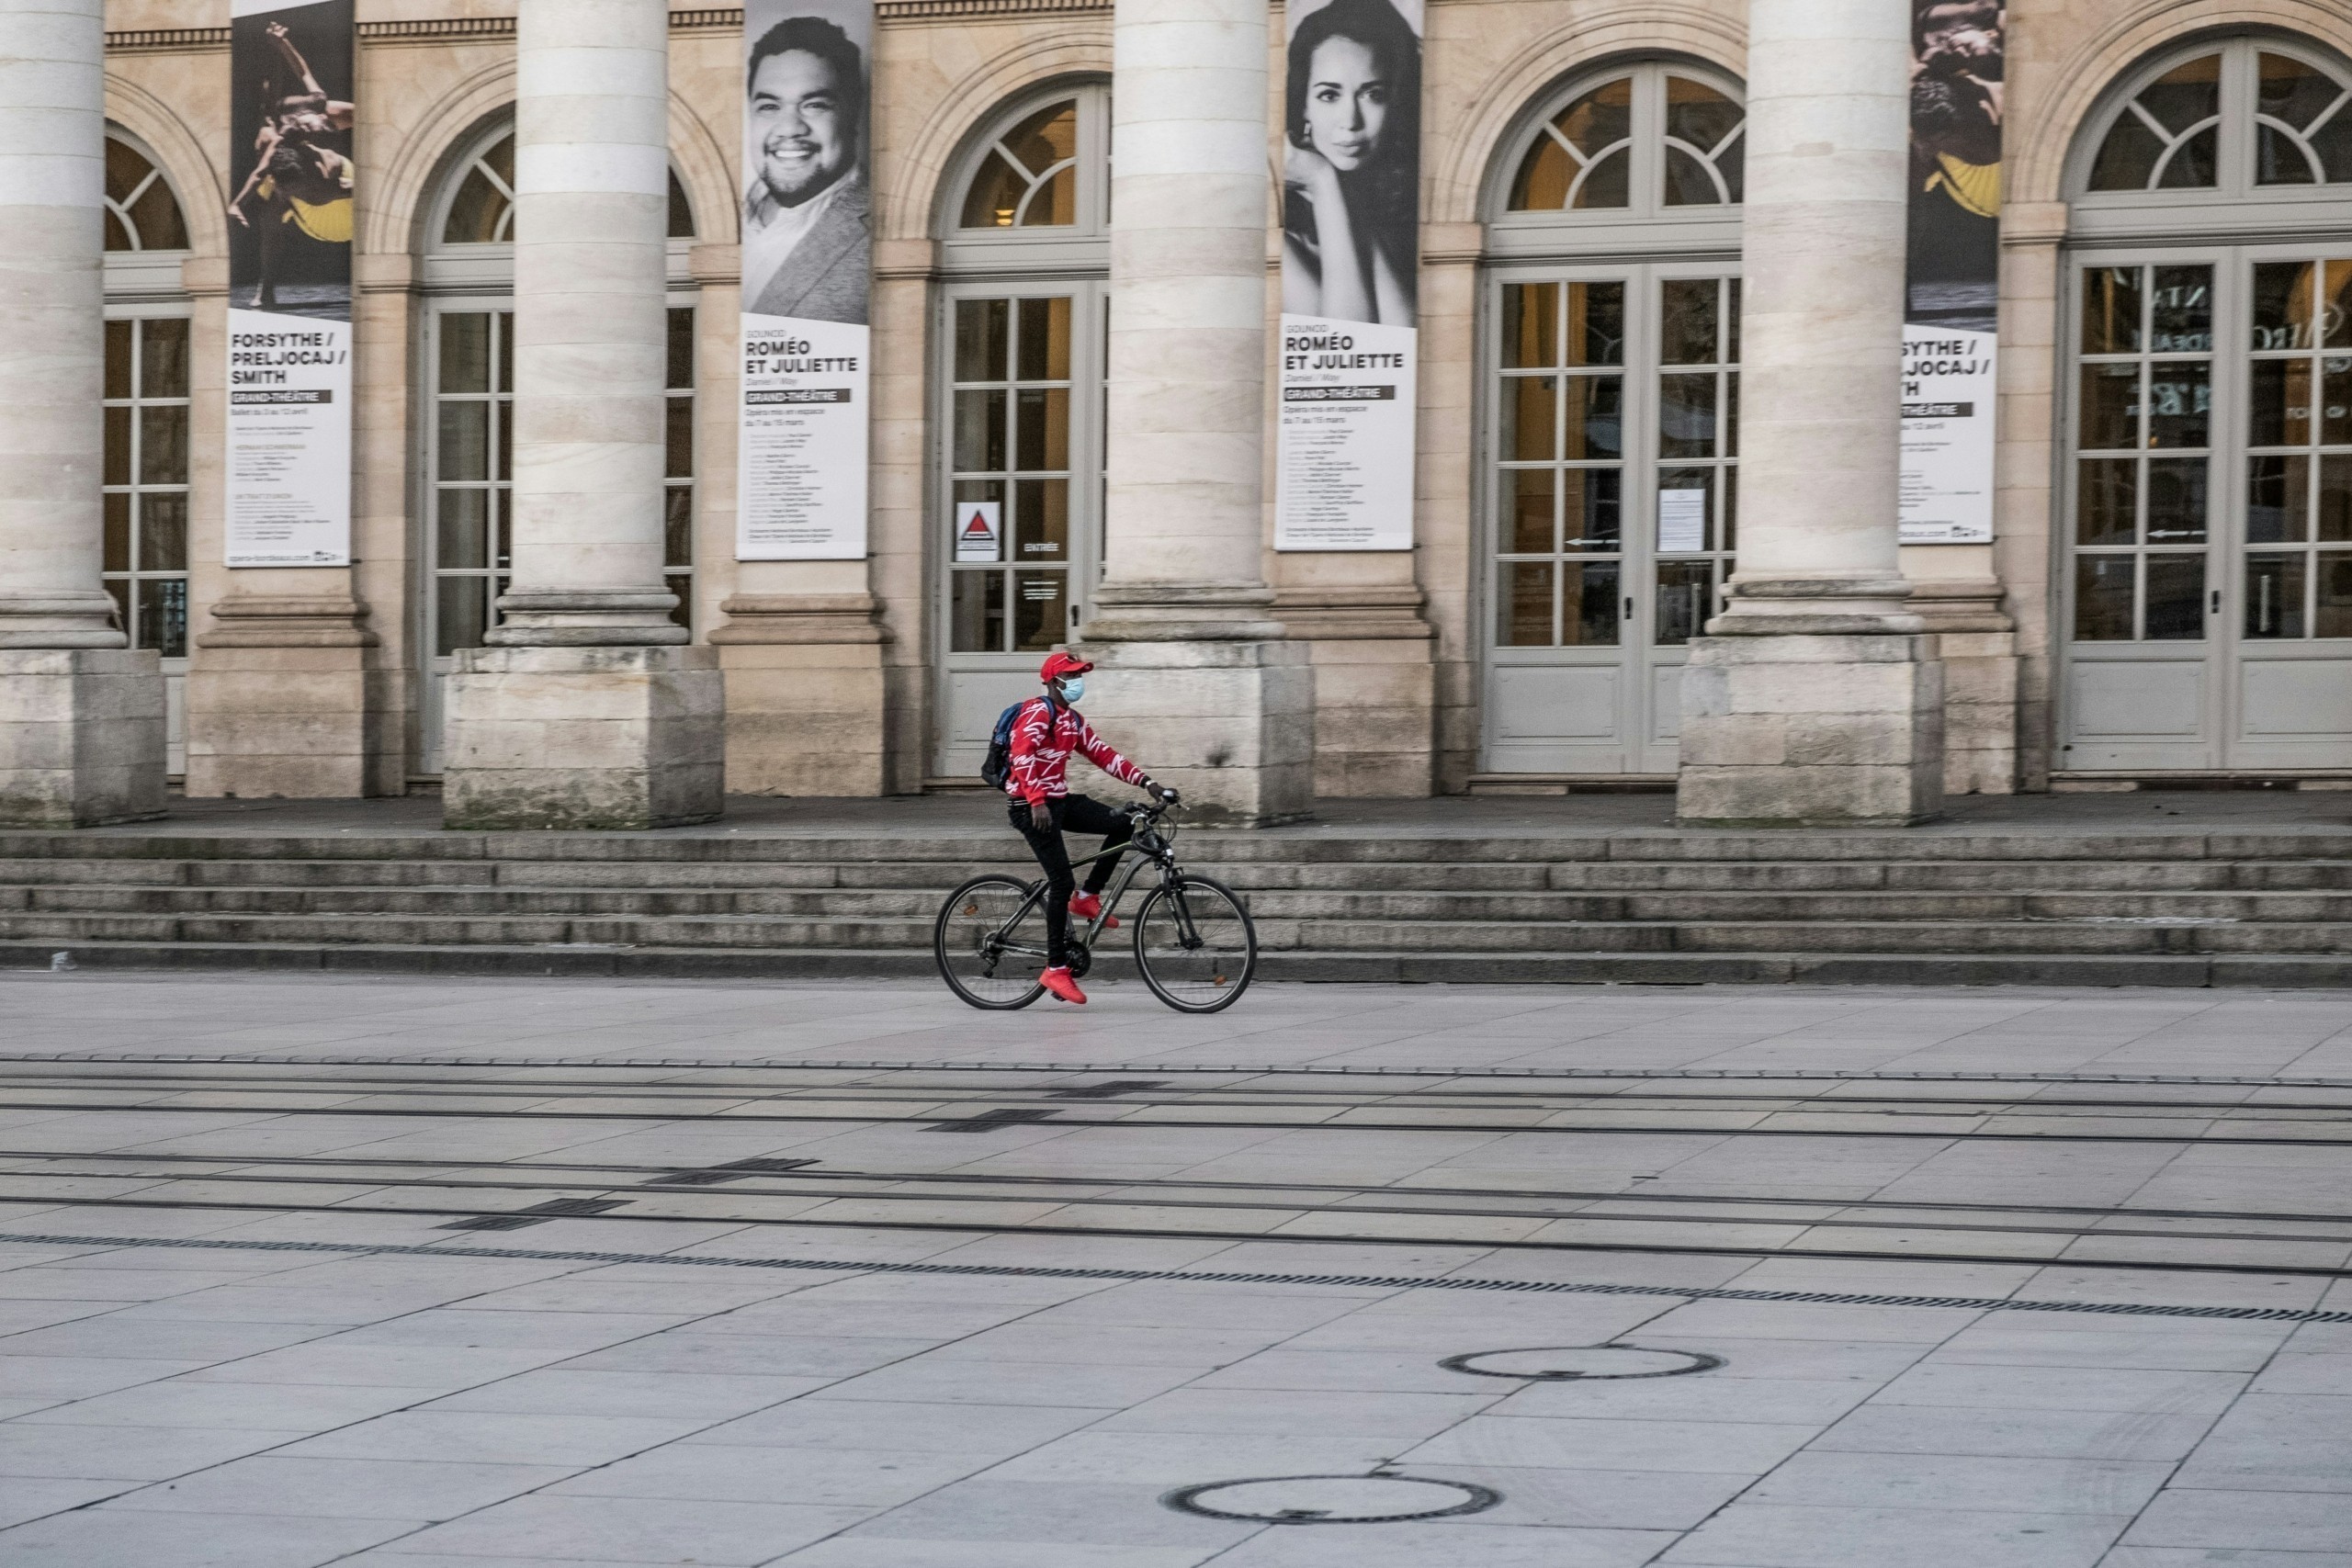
point(81, 737)
point(583, 737)
point(1230, 724)
point(1812, 731)
point(1375, 688)
point(806, 697)
point(281, 702)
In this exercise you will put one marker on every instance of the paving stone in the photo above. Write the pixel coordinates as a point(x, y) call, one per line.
point(118, 1538)
point(635, 1529)
point(1952, 1481)
point(1762, 1535)
point(297, 1486)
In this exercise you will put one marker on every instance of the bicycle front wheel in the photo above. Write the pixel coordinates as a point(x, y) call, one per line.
point(989, 940)
point(1196, 946)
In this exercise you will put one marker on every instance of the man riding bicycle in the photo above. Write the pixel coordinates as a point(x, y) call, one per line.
point(1045, 730)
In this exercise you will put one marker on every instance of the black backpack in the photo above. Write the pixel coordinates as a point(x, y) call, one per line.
point(997, 766)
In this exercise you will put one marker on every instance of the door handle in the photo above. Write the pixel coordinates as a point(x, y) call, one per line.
point(2216, 607)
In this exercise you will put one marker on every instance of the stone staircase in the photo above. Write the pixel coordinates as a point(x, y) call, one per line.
point(1660, 906)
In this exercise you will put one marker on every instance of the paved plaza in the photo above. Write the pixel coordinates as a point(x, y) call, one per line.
point(435, 1273)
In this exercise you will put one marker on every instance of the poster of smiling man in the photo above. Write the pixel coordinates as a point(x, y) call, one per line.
point(1951, 286)
point(289, 283)
point(808, 262)
point(1352, 176)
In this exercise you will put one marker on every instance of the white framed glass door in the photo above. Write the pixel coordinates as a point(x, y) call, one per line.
point(1611, 506)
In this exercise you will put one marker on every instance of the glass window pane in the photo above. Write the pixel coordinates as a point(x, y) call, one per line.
point(2331, 616)
point(162, 358)
point(120, 588)
point(1688, 326)
point(1526, 511)
point(2180, 310)
point(980, 329)
point(678, 527)
point(505, 322)
point(162, 533)
point(1590, 508)
point(2279, 159)
point(118, 358)
point(975, 617)
point(2189, 94)
point(116, 463)
point(2277, 510)
point(2176, 606)
point(980, 431)
point(1699, 115)
point(2193, 163)
point(1542, 183)
point(505, 441)
point(1045, 339)
point(993, 199)
point(2103, 598)
point(1685, 599)
point(465, 352)
point(1608, 183)
point(1730, 520)
point(1588, 602)
point(2282, 305)
point(682, 351)
point(682, 210)
point(1596, 324)
point(2289, 90)
point(678, 443)
point(465, 440)
point(2335, 498)
point(1731, 320)
point(2106, 499)
point(1046, 137)
point(1040, 612)
point(475, 217)
point(1531, 325)
point(2177, 508)
point(2180, 403)
point(1052, 203)
point(2281, 392)
point(1686, 415)
point(2332, 142)
point(2335, 406)
point(683, 612)
point(1689, 182)
point(1595, 416)
point(1041, 521)
point(2110, 407)
point(2128, 156)
point(1731, 413)
point(2112, 302)
point(118, 533)
point(1041, 423)
point(1599, 119)
point(1528, 405)
point(163, 617)
point(463, 612)
point(2274, 595)
point(2335, 293)
point(462, 535)
point(1524, 605)
point(163, 444)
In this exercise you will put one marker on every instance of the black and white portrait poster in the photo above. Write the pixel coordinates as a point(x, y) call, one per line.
point(289, 283)
point(808, 262)
point(1953, 284)
point(1352, 176)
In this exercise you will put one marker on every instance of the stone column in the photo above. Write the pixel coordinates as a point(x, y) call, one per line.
point(587, 711)
point(1198, 683)
point(1814, 699)
point(81, 713)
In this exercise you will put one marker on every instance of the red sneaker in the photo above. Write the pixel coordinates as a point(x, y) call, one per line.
point(1086, 906)
point(1058, 982)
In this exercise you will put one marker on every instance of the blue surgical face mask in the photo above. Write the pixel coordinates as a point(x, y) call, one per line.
point(1073, 688)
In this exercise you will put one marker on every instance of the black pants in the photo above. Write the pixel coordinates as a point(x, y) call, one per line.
point(1078, 815)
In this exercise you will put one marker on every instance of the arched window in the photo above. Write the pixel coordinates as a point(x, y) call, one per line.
point(467, 383)
point(2248, 116)
point(481, 211)
point(1653, 137)
point(1612, 388)
point(145, 476)
point(2207, 491)
point(1024, 255)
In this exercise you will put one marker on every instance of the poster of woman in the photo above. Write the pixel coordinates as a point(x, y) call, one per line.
point(1352, 174)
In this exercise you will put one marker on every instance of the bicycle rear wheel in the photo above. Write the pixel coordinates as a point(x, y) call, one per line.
point(989, 940)
point(1196, 946)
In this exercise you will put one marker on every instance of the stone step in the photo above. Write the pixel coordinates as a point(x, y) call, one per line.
point(1275, 934)
point(1113, 987)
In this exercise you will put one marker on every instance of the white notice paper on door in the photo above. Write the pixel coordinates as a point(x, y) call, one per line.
point(1681, 521)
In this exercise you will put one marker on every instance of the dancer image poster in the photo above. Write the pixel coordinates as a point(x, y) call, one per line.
point(807, 263)
point(289, 283)
point(1952, 287)
point(1352, 176)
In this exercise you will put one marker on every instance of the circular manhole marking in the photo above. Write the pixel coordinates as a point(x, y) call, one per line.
point(1332, 1499)
point(1566, 1363)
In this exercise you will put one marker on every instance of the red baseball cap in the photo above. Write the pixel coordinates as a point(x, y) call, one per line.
point(1060, 665)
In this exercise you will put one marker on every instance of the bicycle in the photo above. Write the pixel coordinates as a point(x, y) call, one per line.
point(1193, 940)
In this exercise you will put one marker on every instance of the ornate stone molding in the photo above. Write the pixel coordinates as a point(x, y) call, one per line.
point(448, 29)
point(287, 621)
point(1961, 604)
point(1362, 613)
point(801, 618)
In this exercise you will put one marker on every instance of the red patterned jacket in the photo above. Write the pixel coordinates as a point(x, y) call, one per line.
point(1043, 735)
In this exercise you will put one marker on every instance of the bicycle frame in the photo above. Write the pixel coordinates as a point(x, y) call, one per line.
point(1157, 852)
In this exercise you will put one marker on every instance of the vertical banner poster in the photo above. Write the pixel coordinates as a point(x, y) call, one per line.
point(289, 283)
point(1351, 177)
point(1952, 287)
point(808, 262)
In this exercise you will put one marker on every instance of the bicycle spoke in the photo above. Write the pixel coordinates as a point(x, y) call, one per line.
point(1196, 946)
point(986, 931)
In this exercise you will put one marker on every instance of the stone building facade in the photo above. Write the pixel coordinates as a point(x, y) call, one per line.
point(2166, 600)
